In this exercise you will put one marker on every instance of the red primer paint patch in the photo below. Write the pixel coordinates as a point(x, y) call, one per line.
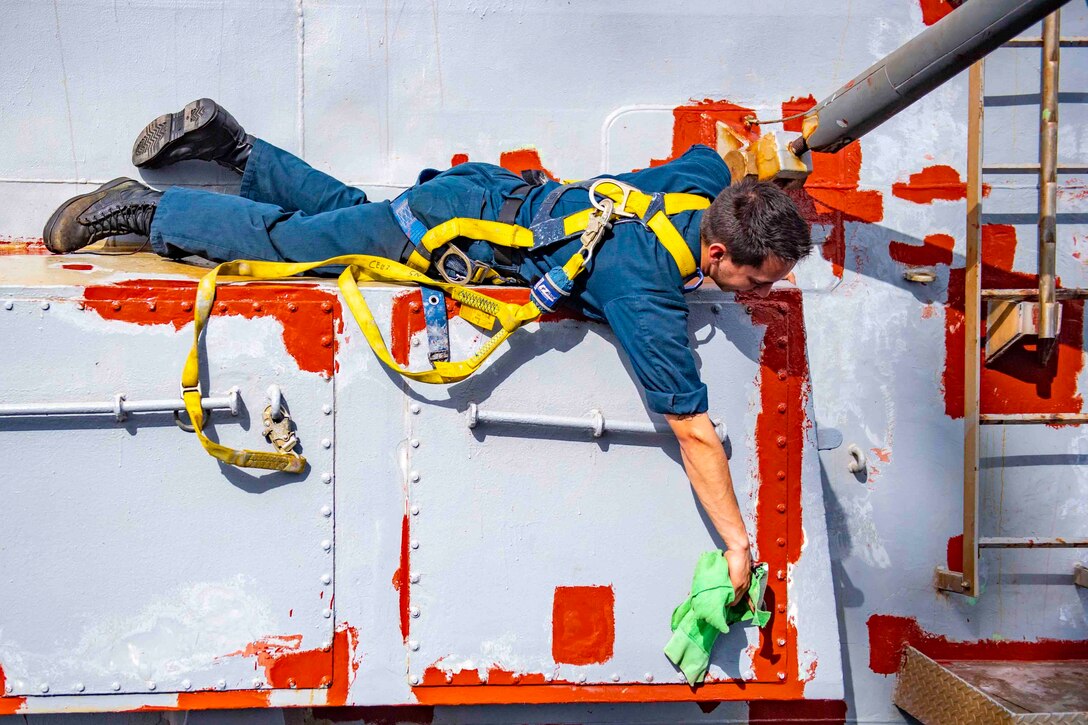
point(520, 160)
point(954, 553)
point(934, 182)
point(221, 700)
point(285, 665)
point(308, 330)
point(583, 625)
point(697, 124)
point(22, 246)
point(377, 714)
point(78, 267)
point(798, 712)
point(889, 635)
point(458, 159)
point(936, 249)
point(9, 705)
point(934, 10)
point(1015, 383)
point(400, 578)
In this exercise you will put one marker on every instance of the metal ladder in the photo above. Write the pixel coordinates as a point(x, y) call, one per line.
point(1013, 313)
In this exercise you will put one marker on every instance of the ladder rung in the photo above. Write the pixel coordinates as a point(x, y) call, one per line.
point(1062, 293)
point(1031, 168)
point(1034, 419)
point(1019, 542)
point(1068, 42)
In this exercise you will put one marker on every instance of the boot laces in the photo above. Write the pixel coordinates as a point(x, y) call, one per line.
point(120, 218)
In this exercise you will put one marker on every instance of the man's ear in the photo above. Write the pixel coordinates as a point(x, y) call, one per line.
point(716, 252)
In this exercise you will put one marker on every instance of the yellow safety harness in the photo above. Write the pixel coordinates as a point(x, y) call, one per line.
point(618, 200)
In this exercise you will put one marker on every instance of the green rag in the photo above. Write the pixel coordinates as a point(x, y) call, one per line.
point(708, 612)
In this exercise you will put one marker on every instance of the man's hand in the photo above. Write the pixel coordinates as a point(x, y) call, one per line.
point(740, 571)
point(708, 470)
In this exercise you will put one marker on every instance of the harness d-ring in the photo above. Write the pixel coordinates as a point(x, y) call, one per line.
point(617, 209)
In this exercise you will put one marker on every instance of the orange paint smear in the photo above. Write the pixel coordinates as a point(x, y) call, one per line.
point(936, 249)
point(932, 183)
point(583, 625)
point(286, 666)
point(22, 246)
point(401, 581)
point(9, 705)
point(798, 712)
point(308, 331)
point(520, 160)
point(934, 10)
point(780, 440)
point(889, 636)
point(696, 124)
point(407, 316)
point(1015, 383)
point(458, 159)
point(220, 700)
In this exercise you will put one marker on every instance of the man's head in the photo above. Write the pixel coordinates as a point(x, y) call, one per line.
point(752, 236)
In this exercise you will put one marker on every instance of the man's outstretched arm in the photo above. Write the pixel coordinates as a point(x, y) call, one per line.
point(708, 470)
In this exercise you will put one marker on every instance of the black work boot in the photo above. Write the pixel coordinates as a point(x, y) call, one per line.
point(119, 207)
point(202, 130)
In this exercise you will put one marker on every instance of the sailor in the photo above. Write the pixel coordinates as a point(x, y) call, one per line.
point(750, 237)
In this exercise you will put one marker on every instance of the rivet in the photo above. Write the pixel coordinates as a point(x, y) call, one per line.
point(327, 613)
point(781, 675)
point(415, 443)
point(115, 686)
point(326, 646)
point(781, 541)
point(649, 677)
point(326, 306)
point(185, 684)
point(222, 684)
point(483, 676)
point(187, 306)
point(581, 679)
point(326, 511)
point(326, 409)
point(749, 675)
point(326, 443)
point(781, 508)
point(325, 682)
point(449, 677)
point(291, 683)
point(414, 577)
point(615, 677)
point(116, 306)
point(80, 687)
point(45, 305)
point(222, 307)
point(257, 683)
point(781, 407)
point(415, 543)
point(748, 309)
point(80, 306)
point(781, 374)
point(292, 307)
point(414, 679)
point(326, 341)
point(781, 441)
point(781, 574)
point(413, 306)
point(415, 408)
point(326, 578)
point(8, 305)
point(782, 342)
point(414, 611)
point(680, 676)
point(415, 476)
point(326, 477)
point(326, 544)
point(516, 677)
point(781, 608)
point(8, 689)
point(151, 306)
point(256, 306)
point(415, 510)
point(781, 475)
point(413, 645)
point(548, 677)
point(715, 308)
point(415, 342)
point(781, 641)
point(44, 687)
point(151, 685)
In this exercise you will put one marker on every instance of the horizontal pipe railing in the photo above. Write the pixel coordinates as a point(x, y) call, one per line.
point(596, 424)
point(119, 407)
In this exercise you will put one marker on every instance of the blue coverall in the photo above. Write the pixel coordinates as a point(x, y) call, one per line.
point(289, 211)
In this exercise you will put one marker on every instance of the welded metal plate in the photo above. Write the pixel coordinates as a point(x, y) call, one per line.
point(131, 560)
point(515, 552)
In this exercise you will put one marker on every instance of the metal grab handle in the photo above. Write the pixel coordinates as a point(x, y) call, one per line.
point(857, 463)
point(595, 423)
point(120, 407)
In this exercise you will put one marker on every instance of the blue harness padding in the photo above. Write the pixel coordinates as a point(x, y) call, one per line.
point(434, 299)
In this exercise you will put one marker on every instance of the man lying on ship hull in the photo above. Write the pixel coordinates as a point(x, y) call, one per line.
point(750, 237)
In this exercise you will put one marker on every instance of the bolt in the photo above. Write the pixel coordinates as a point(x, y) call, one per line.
point(325, 682)
point(581, 679)
point(151, 685)
point(326, 511)
point(326, 443)
point(326, 409)
point(415, 543)
point(781, 675)
point(781, 407)
point(781, 342)
point(326, 544)
point(781, 374)
point(326, 341)
point(151, 306)
point(649, 677)
point(413, 306)
point(747, 309)
point(781, 574)
point(781, 641)
point(781, 475)
point(414, 611)
point(414, 679)
point(256, 306)
point(516, 677)
point(326, 578)
point(185, 684)
point(326, 477)
point(80, 306)
point(222, 684)
point(414, 578)
point(326, 646)
point(415, 476)
point(187, 306)
point(781, 608)
point(116, 306)
point(222, 307)
point(615, 677)
point(449, 677)
point(44, 687)
point(413, 645)
point(115, 686)
point(8, 305)
point(548, 677)
point(716, 308)
point(781, 508)
point(291, 306)
point(415, 342)
point(80, 687)
point(45, 305)
point(415, 510)
point(326, 307)
point(326, 613)
point(680, 676)
point(291, 683)
point(415, 443)
point(781, 441)
point(415, 408)
point(781, 541)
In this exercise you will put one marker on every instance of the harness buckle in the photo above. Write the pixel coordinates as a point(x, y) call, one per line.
point(598, 223)
point(279, 432)
point(475, 271)
point(620, 210)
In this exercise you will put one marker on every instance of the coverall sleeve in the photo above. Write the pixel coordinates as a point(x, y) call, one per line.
point(653, 330)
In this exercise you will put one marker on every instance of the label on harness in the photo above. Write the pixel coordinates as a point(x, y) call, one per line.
point(478, 317)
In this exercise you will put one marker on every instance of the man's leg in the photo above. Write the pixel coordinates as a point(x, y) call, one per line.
point(275, 176)
point(222, 227)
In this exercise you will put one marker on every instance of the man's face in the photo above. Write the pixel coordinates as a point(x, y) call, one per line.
point(741, 277)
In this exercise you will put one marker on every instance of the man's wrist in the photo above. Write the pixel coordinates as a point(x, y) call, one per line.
point(738, 545)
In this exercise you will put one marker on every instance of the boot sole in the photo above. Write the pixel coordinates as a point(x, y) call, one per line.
point(54, 220)
point(162, 134)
